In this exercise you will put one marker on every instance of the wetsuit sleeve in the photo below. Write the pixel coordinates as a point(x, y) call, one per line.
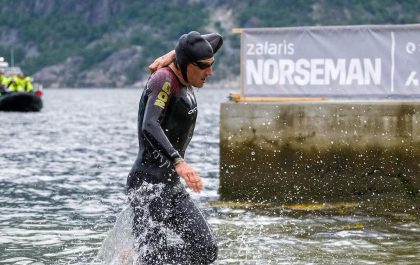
point(161, 89)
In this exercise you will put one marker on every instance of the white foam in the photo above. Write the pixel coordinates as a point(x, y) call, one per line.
point(118, 246)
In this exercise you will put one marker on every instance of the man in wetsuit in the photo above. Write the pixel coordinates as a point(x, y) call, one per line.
point(166, 121)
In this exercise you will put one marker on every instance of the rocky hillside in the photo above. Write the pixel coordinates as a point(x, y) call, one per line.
point(109, 43)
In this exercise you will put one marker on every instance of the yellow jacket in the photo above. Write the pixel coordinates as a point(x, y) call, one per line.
point(4, 81)
point(28, 84)
point(17, 83)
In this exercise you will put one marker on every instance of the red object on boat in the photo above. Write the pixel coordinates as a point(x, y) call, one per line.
point(38, 93)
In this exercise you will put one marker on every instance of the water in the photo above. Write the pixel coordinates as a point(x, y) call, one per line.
point(62, 178)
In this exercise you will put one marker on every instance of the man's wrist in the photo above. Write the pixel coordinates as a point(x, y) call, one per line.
point(178, 160)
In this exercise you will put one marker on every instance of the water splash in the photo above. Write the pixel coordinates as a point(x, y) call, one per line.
point(118, 246)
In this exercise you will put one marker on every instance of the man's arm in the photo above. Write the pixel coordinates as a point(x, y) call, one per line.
point(154, 134)
point(161, 91)
point(162, 61)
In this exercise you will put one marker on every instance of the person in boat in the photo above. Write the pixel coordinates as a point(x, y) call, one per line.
point(15, 84)
point(20, 83)
point(27, 82)
point(166, 120)
point(3, 83)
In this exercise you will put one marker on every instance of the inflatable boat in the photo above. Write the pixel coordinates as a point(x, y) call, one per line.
point(21, 101)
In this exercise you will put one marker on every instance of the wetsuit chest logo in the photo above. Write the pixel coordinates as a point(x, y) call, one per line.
point(163, 95)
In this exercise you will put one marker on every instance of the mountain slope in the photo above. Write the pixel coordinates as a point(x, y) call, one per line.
point(109, 43)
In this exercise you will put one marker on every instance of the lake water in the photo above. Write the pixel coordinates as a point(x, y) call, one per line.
point(62, 183)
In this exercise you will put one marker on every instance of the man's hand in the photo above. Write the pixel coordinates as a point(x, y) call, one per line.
point(162, 61)
point(191, 177)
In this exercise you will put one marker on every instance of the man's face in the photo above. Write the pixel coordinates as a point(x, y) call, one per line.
point(198, 72)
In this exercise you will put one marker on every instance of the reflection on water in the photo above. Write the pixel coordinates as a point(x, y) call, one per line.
point(62, 177)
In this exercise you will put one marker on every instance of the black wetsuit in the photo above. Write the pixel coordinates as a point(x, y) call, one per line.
point(166, 121)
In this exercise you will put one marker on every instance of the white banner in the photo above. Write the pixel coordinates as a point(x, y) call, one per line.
point(348, 61)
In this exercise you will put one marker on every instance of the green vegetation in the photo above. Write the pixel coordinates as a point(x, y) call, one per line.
point(154, 25)
point(266, 13)
point(44, 33)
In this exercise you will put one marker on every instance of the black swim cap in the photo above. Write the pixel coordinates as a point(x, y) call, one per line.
point(193, 47)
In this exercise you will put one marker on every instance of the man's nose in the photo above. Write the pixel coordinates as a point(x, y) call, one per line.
point(209, 71)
